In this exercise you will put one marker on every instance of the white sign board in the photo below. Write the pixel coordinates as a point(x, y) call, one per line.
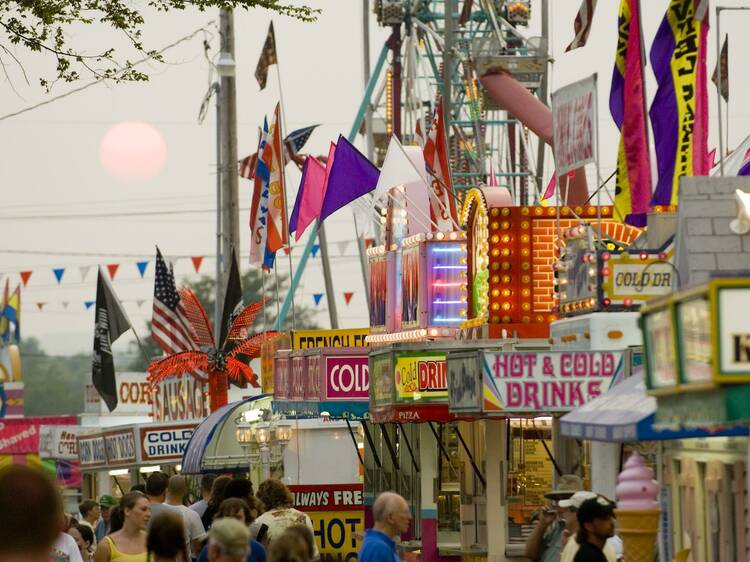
point(734, 334)
point(180, 399)
point(161, 443)
point(59, 441)
point(91, 453)
point(538, 382)
point(120, 447)
point(574, 125)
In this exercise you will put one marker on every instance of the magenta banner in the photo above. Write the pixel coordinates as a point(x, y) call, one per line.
point(347, 378)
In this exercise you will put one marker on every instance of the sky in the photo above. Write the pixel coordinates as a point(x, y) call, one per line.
point(50, 162)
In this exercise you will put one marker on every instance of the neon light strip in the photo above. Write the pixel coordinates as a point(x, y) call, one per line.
point(447, 319)
point(448, 250)
point(447, 302)
point(438, 284)
point(448, 267)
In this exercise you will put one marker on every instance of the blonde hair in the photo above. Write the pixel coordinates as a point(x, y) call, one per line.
point(231, 536)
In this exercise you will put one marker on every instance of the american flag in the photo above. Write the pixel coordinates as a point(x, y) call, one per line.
point(582, 24)
point(169, 326)
point(295, 140)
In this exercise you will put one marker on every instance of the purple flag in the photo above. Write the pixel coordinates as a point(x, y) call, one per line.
point(352, 175)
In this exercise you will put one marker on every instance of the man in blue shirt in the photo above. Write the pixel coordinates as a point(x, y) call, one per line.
point(392, 519)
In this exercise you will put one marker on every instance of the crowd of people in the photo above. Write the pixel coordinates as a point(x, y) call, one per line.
point(230, 523)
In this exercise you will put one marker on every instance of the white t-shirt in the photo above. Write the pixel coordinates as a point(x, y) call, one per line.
point(65, 549)
point(194, 529)
point(200, 507)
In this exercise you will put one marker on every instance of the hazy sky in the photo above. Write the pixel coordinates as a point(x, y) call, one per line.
point(50, 156)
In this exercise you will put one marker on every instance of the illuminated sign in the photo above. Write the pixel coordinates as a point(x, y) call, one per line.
point(421, 376)
point(546, 382)
point(309, 339)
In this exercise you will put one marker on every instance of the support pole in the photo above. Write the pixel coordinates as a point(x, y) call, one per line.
point(371, 443)
point(450, 10)
point(327, 278)
point(718, 96)
point(219, 272)
point(408, 446)
point(228, 124)
point(477, 472)
point(354, 440)
point(543, 90)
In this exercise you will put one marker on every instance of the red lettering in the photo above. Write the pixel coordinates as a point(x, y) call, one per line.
point(532, 401)
point(515, 395)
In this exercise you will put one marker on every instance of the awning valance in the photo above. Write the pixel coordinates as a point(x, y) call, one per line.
point(625, 414)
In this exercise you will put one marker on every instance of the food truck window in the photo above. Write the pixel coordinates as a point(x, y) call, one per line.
point(530, 476)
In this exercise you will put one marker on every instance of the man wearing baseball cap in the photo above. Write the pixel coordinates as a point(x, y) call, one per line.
point(596, 524)
point(106, 503)
point(570, 543)
point(545, 542)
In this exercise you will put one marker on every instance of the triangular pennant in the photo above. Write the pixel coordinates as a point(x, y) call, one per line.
point(343, 246)
point(40, 305)
point(141, 265)
point(348, 297)
point(139, 302)
point(112, 268)
point(197, 261)
point(59, 272)
point(317, 297)
point(88, 304)
point(287, 250)
point(398, 168)
point(315, 250)
point(84, 269)
point(368, 243)
point(25, 277)
point(65, 304)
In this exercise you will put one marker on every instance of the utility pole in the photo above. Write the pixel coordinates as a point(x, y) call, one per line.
point(228, 127)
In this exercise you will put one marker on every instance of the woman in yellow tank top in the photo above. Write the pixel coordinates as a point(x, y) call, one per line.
point(129, 543)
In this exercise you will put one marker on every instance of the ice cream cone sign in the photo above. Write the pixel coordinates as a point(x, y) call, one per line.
point(637, 510)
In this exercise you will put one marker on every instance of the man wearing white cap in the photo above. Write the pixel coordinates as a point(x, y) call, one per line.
point(612, 549)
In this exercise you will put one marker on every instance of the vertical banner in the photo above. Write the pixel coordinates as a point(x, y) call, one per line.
point(627, 104)
point(574, 125)
point(679, 112)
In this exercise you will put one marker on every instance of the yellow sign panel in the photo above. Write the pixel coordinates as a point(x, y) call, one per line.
point(336, 534)
point(310, 339)
point(421, 376)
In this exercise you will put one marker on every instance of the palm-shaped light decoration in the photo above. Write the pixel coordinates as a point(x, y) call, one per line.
point(222, 361)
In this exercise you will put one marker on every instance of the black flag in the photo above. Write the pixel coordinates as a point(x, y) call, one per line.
point(233, 303)
point(267, 58)
point(720, 76)
point(110, 322)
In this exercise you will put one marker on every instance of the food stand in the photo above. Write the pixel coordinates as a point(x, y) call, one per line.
point(698, 369)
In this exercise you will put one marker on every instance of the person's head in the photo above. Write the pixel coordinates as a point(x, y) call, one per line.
point(30, 515)
point(166, 537)
point(239, 488)
point(156, 486)
point(207, 482)
point(569, 508)
point(596, 520)
point(306, 535)
point(86, 534)
point(176, 489)
point(106, 503)
point(567, 485)
point(391, 514)
point(89, 510)
point(133, 513)
point(228, 541)
point(289, 547)
point(274, 494)
point(138, 488)
point(235, 508)
point(218, 490)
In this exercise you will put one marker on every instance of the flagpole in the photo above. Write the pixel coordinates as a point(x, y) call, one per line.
point(286, 191)
point(718, 97)
point(140, 344)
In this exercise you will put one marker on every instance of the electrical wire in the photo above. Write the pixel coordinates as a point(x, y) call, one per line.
point(86, 86)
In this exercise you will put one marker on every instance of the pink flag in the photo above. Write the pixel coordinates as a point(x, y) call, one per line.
point(492, 180)
point(310, 198)
point(550, 191)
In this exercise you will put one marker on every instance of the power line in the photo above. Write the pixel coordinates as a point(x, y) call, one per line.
point(105, 215)
point(104, 78)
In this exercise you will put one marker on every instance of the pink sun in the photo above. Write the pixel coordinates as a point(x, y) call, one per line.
point(132, 152)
